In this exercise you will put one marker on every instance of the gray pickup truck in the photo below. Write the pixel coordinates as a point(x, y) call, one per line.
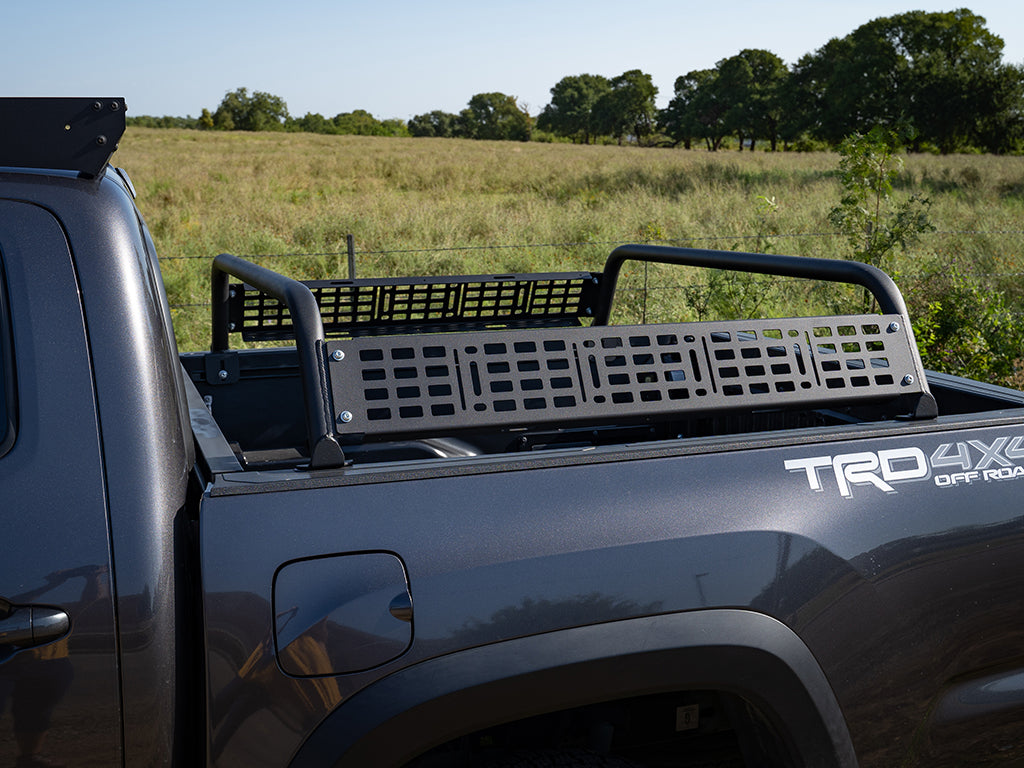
point(469, 521)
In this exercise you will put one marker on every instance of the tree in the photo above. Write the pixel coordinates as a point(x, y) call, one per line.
point(799, 104)
point(1000, 128)
point(313, 122)
point(260, 111)
point(392, 126)
point(694, 111)
point(224, 117)
point(874, 224)
point(167, 121)
point(358, 123)
point(811, 106)
point(628, 108)
point(758, 112)
point(741, 95)
point(852, 84)
point(495, 116)
point(677, 119)
point(952, 67)
point(940, 72)
point(732, 90)
point(571, 111)
point(436, 123)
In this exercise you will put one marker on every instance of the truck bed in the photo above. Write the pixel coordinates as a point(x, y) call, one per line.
point(257, 420)
point(442, 368)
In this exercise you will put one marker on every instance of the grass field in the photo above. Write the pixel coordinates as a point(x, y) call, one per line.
point(435, 206)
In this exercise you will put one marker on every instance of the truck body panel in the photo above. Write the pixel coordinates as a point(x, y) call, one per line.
point(522, 556)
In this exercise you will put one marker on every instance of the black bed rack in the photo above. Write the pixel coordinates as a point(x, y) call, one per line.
point(419, 356)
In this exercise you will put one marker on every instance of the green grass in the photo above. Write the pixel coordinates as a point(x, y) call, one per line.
point(436, 206)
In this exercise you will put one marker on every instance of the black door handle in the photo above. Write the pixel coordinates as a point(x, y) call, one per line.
point(25, 626)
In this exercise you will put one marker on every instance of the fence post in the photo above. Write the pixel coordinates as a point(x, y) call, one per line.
point(350, 242)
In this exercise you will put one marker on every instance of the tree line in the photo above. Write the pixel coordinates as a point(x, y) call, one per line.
point(241, 110)
point(936, 78)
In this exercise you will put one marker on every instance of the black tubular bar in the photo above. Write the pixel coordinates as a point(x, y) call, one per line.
point(890, 300)
point(309, 341)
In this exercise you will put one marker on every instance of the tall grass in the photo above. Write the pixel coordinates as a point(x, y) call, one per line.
point(436, 206)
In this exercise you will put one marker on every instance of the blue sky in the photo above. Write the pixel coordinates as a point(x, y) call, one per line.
point(399, 59)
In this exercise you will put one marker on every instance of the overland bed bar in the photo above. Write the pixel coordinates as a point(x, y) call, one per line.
point(386, 360)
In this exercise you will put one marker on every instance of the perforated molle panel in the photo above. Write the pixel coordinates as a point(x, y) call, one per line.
point(370, 306)
point(447, 382)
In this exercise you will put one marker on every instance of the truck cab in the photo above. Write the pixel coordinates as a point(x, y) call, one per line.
point(96, 454)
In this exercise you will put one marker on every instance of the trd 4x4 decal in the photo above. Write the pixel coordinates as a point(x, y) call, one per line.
point(972, 461)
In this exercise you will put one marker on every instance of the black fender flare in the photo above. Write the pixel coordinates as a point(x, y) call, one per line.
point(434, 701)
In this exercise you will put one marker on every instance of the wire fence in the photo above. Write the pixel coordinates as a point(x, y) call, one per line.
point(707, 241)
point(523, 246)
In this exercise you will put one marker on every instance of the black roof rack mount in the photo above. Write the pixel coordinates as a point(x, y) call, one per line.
point(73, 134)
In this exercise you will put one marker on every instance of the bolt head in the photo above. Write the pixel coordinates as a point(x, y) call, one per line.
point(222, 374)
point(893, 327)
point(337, 355)
point(345, 417)
point(908, 379)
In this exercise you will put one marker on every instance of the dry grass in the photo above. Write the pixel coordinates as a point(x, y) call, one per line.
point(472, 207)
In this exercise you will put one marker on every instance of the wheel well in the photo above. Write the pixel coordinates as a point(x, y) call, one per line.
point(751, 666)
point(679, 728)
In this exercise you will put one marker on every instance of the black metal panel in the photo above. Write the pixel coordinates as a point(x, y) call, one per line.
point(441, 383)
point(423, 304)
point(75, 134)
